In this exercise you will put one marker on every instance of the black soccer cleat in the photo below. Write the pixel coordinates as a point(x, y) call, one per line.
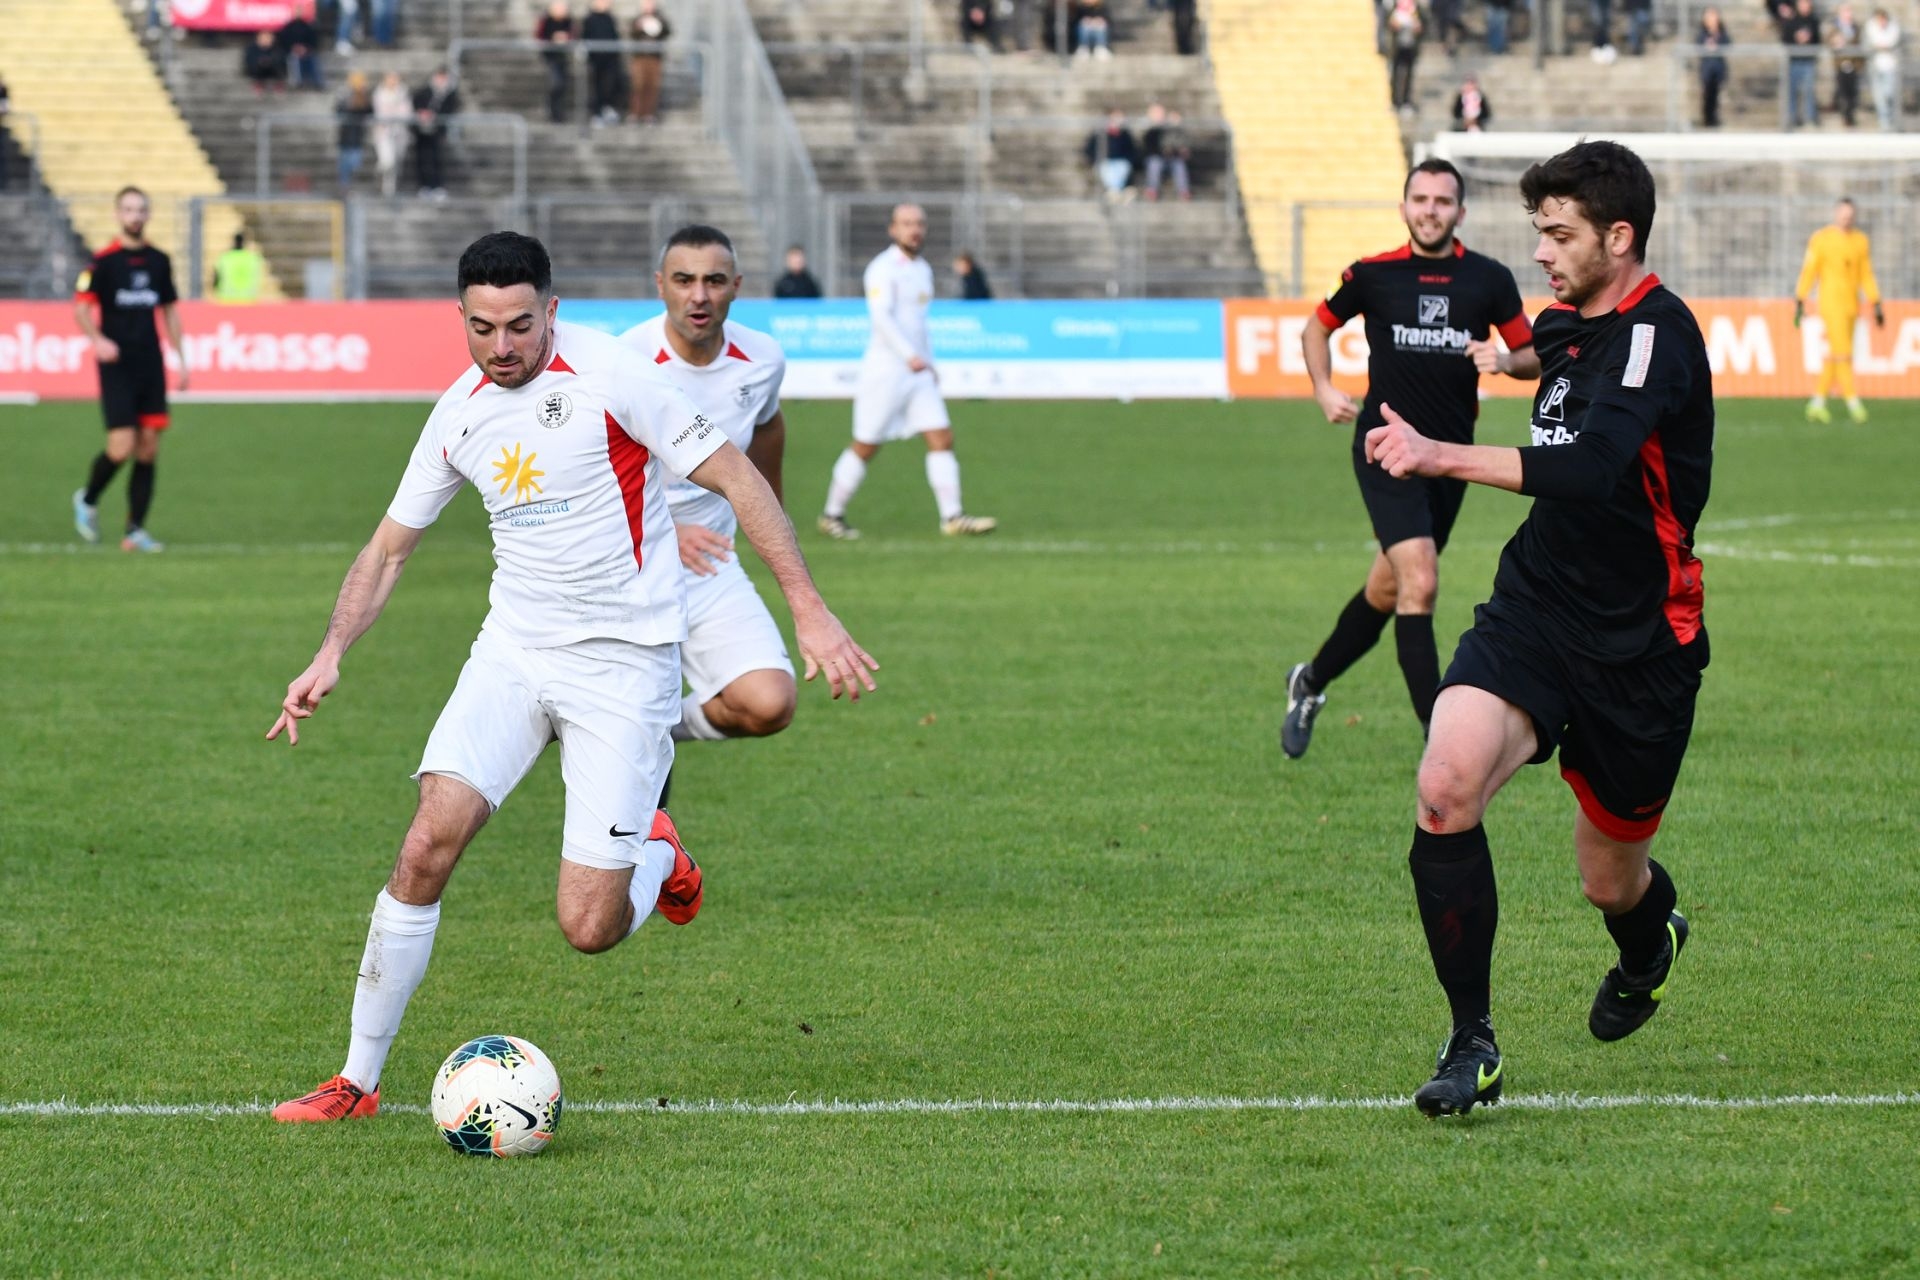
point(1469, 1071)
point(1303, 704)
point(1620, 1007)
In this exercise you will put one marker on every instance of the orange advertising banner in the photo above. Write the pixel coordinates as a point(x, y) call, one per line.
point(1752, 343)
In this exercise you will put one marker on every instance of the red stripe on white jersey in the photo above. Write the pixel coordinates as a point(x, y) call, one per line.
point(629, 459)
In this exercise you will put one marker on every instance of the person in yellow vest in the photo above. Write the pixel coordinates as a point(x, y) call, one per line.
point(237, 272)
point(1839, 266)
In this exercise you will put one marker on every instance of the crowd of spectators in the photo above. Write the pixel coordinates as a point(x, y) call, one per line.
point(1082, 29)
point(1855, 49)
point(624, 60)
point(1162, 152)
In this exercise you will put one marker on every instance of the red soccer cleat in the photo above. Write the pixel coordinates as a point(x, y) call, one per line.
point(680, 894)
point(337, 1099)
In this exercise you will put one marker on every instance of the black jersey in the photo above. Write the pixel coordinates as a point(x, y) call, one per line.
point(1421, 313)
point(128, 285)
point(1619, 468)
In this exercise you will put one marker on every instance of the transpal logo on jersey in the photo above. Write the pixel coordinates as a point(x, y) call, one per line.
point(1549, 418)
point(1434, 308)
point(554, 410)
point(1433, 333)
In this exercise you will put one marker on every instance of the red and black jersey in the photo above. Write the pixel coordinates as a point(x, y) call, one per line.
point(1421, 313)
point(128, 285)
point(1619, 468)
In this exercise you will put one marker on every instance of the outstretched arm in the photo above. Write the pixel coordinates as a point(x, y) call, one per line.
point(824, 643)
point(1316, 345)
point(363, 595)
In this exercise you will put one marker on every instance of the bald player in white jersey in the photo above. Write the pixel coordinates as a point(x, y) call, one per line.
point(735, 662)
point(898, 394)
point(569, 440)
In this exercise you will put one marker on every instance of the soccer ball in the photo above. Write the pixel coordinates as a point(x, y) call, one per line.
point(497, 1096)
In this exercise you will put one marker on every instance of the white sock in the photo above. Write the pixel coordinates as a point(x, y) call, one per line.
point(649, 873)
point(694, 725)
point(849, 469)
point(399, 942)
point(943, 475)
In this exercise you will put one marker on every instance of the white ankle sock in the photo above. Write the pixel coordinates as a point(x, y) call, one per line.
point(943, 476)
point(849, 469)
point(694, 725)
point(655, 864)
point(399, 943)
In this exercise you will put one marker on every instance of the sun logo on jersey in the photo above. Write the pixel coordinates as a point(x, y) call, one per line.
point(511, 473)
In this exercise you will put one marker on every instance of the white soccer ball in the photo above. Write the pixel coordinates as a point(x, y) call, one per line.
point(497, 1096)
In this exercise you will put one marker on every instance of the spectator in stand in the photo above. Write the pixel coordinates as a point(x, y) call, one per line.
point(973, 281)
point(1883, 67)
point(343, 30)
point(1112, 152)
point(355, 113)
point(1499, 20)
point(556, 31)
point(392, 110)
point(1446, 22)
point(264, 64)
point(1167, 150)
point(237, 273)
point(1472, 113)
point(1092, 30)
point(650, 30)
point(1801, 34)
point(1639, 22)
point(603, 67)
point(1849, 60)
point(1183, 17)
point(1602, 13)
point(433, 102)
point(798, 282)
point(1712, 38)
point(1404, 28)
point(976, 23)
point(300, 45)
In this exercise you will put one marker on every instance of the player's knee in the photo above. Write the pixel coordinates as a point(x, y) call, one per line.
point(1611, 894)
point(761, 710)
point(1450, 797)
point(1415, 587)
point(591, 928)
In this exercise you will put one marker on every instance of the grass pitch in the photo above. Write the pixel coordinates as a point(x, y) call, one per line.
point(1058, 857)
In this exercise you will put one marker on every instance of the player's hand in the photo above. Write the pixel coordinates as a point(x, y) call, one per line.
point(185, 377)
point(303, 698)
point(1799, 312)
point(827, 647)
point(1399, 450)
point(1337, 405)
point(916, 365)
point(106, 350)
point(1485, 356)
point(701, 549)
point(1879, 316)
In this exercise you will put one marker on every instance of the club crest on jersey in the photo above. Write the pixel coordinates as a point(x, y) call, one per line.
point(1434, 308)
point(744, 394)
point(554, 409)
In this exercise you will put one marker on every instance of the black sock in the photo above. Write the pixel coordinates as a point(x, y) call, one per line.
point(139, 495)
point(104, 469)
point(1357, 631)
point(1459, 908)
point(1641, 930)
point(1419, 660)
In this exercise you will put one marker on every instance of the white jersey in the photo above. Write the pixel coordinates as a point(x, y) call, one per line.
point(899, 290)
point(738, 392)
point(569, 467)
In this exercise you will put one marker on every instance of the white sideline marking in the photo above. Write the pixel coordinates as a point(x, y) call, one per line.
point(1846, 560)
point(1041, 1106)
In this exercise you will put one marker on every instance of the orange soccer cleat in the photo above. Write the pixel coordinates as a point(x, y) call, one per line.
point(680, 894)
point(337, 1099)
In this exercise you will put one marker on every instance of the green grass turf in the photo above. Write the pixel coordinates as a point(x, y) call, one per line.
point(1058, 856)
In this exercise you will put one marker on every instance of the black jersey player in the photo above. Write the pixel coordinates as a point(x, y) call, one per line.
point(1430, 307)
point(125, 284)
point(1592, 641)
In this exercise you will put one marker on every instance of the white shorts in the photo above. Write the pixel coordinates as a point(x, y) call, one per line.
point(612, 704)
point(889, 403)
point(729, 631)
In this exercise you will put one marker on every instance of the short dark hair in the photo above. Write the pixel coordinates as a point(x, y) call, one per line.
point(697, 235)
point(239, 239)
point(1611, 183)
point(1436, 165)
point(502, 259)
point(126, 191)
point(1847, 201)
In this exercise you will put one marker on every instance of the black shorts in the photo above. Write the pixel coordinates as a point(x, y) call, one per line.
point(133, 392)
point(1621, 729)
point(1415, 507)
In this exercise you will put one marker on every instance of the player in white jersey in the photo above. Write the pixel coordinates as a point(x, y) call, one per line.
point(567, 437)
point(734, 660)
point(898, 394)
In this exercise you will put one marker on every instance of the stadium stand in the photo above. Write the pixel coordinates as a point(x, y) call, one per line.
point(1301, 159)
point(105, 120)
point(40, 254)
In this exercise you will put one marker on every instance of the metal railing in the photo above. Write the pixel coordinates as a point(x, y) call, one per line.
point(460, 126)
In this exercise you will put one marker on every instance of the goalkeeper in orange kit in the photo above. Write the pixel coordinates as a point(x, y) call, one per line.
point(1839, 266)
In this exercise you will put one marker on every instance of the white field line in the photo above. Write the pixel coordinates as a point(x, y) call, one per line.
point(1002, 1106)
